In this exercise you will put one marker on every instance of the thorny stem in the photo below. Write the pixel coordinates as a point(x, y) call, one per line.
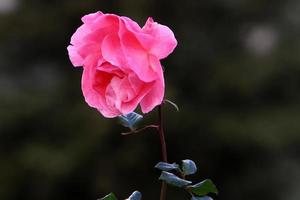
point(163, 149)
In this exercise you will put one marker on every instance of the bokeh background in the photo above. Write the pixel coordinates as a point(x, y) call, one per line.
point(235, 76)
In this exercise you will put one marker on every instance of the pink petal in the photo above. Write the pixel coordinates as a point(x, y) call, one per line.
point(92, 96)
point(109, 21)
point(124, 90)
point(78, 37)
point(90, 18)
point(122, 94)
point(112, 93)
point(94, 84)
point(109, 68)
point(86, 41)
point(153, 98)
point(135, 82)
point(164, 40)
point(75, 58)
point(88, 49)
point(136, 56)
point(111, 50)
point(109, 113)
point(144, 39)
point(156, 94)
point(97, 36)
point(130, 106)
point(92, 60)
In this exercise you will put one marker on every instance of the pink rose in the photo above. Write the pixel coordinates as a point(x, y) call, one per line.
point(121, 62)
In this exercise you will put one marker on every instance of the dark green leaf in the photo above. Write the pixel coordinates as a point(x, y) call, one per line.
point(136, 195)
point(201, 198)
point(131, 119)
point(166, 166)
point(203, 188)
point(110, 196)
point(189, 167)
point(172, 179)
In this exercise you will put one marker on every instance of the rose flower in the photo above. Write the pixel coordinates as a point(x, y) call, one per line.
point(121, 62)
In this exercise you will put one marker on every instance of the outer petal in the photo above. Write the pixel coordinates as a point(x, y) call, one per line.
point(75, 58)
point(146, 40)
point(90, 18)
point(164, 40)
point(156, 94)
point(88, 38)
point(136, 56)
point(87, 50)
point(78, 37)
point(91, 45)
point(109, 21)
point(94, 98)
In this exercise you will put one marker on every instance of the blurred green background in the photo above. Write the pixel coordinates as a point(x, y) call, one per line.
point(235, 76)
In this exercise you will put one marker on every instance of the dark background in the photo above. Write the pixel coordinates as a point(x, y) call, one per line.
point(235, 75)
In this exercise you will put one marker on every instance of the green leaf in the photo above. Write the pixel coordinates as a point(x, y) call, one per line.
point(130, 120)
point(203, 188)
point(110, 196)
point(201, 198)
point(189, 167)
point(166, 166)
point(174, 180)
point(136, 195)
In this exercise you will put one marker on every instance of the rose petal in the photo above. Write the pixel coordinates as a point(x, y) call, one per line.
point(164, 40)
point(107, 67)
point(146, 40)
point(111, 50)
point(94, 85)
point(156, 94)
point(130, 106)
point(112, 93)
point(78, 37)
point(75, 58)
point(110, 21)
point(135, 82)
point(90, 18)
point(88, 49)
point(136, 56)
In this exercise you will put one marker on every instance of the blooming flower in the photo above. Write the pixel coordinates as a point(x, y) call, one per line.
point(121, 62)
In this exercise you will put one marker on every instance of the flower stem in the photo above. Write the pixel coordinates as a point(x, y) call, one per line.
point(163, 149)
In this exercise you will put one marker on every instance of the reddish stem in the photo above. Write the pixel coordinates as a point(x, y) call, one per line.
point(163, 149)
